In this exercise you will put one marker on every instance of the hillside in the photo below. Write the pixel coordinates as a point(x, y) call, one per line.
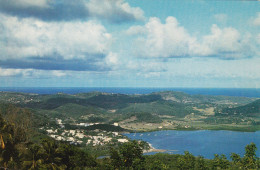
point(251, 109)
point(160, 110)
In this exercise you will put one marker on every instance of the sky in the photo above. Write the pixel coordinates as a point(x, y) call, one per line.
point(130, 43)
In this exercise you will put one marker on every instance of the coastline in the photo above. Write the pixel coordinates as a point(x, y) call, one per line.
point(152, 149)
point(220, 127)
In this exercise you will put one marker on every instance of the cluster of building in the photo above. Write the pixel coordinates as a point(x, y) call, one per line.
point(81, 137)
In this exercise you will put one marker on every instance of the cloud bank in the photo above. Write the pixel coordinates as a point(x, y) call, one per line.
point(31, 43)
point(170, 40)
point(116, 11)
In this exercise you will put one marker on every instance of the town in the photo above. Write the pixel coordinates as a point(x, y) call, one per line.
point(83, 137)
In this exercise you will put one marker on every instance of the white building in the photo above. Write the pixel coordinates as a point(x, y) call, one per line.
point(122, 140)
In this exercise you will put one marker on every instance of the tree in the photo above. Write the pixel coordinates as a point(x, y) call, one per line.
point(9, 155)
point(236, 160)
point(249, 160)
point(130, 154)
point(82, 159)
point(33, 157)
point(116, 159)
point(20, 118)
point(131, 151)
point(157, 165)
point(186, 161)
point(50, 154)
point(200, 163)
point(220, 162)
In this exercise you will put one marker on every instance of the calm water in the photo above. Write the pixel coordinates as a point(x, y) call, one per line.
point(123, 90)
point(204, 142)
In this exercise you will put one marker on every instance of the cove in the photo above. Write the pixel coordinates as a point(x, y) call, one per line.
point(202, 142)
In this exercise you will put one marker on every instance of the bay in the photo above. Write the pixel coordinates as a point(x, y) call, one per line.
point(203, 142)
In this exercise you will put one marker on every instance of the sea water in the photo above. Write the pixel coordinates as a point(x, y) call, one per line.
point(244, 92)
point(201, 142)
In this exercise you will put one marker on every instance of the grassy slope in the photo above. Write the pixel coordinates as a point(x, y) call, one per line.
point(76, 110)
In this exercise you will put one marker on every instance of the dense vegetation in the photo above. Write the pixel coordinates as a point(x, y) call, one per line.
point(146, 117)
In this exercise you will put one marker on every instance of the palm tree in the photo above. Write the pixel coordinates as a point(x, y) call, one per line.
point(8, 152)
point(50, 154)
point(33, 157)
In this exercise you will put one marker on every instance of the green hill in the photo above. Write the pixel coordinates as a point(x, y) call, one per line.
point(76, 110)
point(160, 108)
point(251, 109)
point(174, 109)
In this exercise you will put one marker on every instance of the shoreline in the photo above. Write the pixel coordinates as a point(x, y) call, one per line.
point(193, 129)
point(152, 149)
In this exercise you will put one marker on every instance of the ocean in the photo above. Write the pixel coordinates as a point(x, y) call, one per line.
point(243, 92)
point(200, 142)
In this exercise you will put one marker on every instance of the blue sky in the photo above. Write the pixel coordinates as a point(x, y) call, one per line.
point(120, 43)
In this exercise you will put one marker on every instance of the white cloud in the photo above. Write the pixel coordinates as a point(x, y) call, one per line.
point(112, 59)
point(256, 21)
point(58, 73)
point(9, 72)
point(226, 43)
point(163, 40)
point(134, 30)
point(34, 38)
point(32, 73)
point(169, 40)
point(115, 10)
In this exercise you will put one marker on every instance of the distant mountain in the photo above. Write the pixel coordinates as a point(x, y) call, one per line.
point(182, 97)
point(164, 110)
point(251, 109)
point(171, 103)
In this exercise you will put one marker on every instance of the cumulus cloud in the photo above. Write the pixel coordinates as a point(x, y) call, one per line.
point(169, 39)
point(163, 40)
point(112, 59)
point(28, 43)
point(256, 21)
point(135, 30)
point(67, 10)
point(114, 10)
point(225, 43)
point(9, 72)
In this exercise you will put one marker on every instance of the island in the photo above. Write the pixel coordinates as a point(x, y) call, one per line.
point(96, 122)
